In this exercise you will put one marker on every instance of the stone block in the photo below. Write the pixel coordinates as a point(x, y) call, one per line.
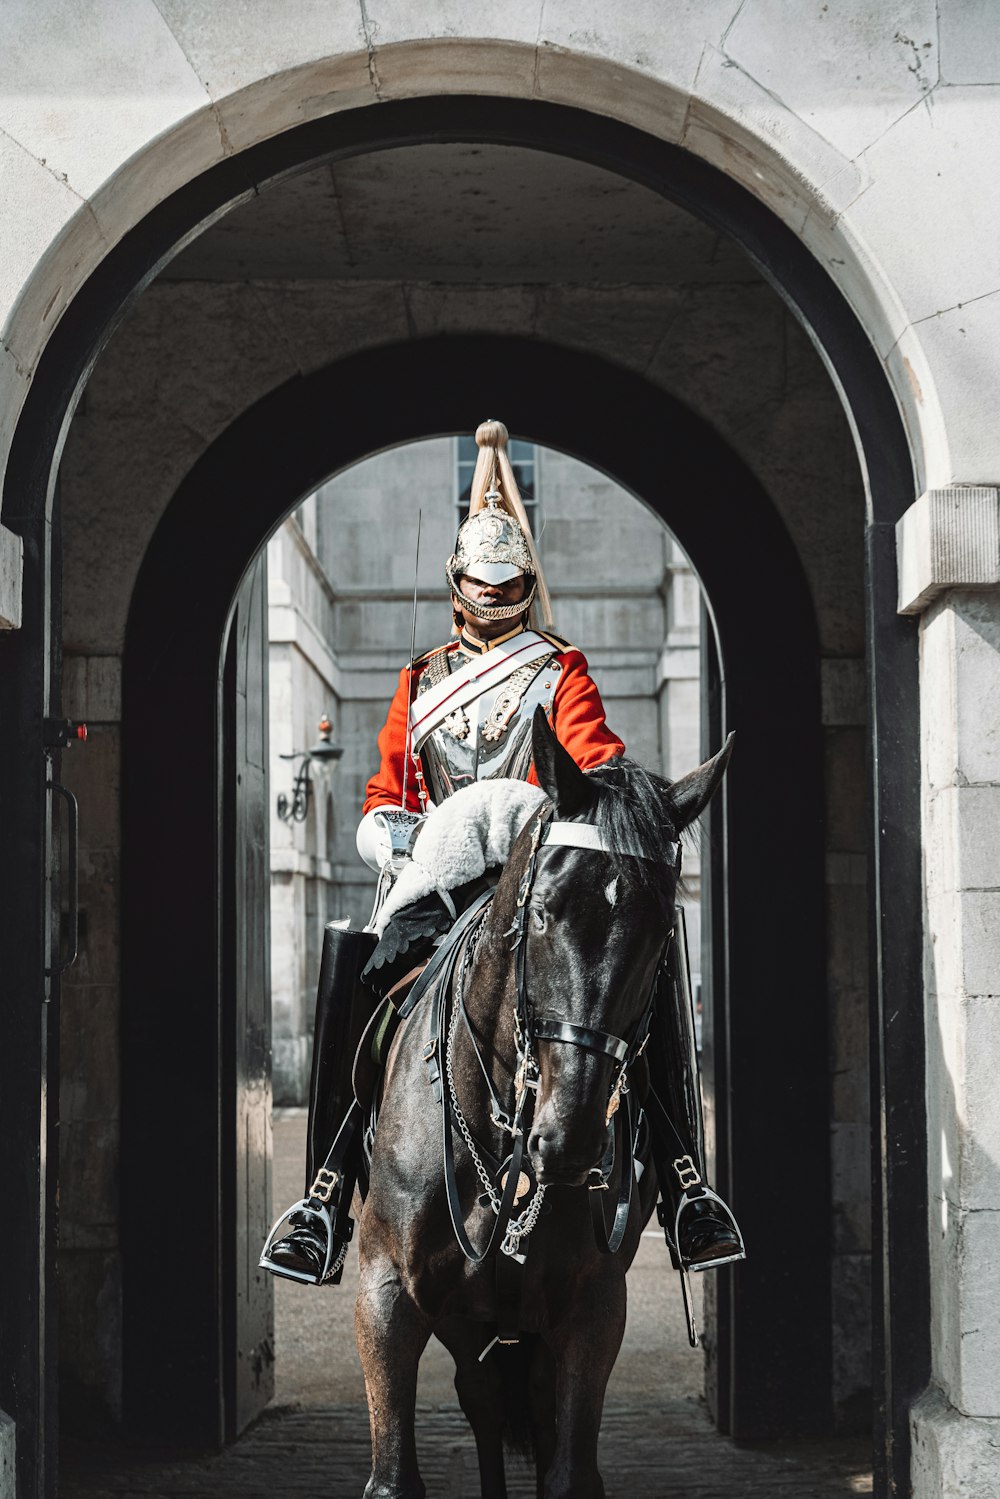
point(88, 1184)
point(851, 1299)
point(624, 61)
point(11, 567)
point(14, 378)
point(721, 348)
point(8, 1453)
point(962, 927)
point(960, 689)
point(748, 131)
point(849, 75)
point(941, 154)
point(291, 1058)
point(957, 345)
point(89, 1086)
point(969, 42)
point(948, 538)
point(845, 692)
point(962, 838)
point(325, 320)
point(453, 65)
point(844, 752)
point(92, 688)
point(269, 47)
point(953, 1457)
point(850, 1086)
point(90, 1329)
point(963, 1042)
point(635, 318)
point(92, 771)
point(123, 55)
point(48, 243)
point(965, 1333)
point(829, 232)
point(850, 1150)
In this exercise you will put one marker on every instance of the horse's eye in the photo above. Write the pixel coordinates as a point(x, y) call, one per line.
point(539, 917)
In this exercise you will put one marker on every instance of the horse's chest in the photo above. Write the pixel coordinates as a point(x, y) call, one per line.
point(490, 735)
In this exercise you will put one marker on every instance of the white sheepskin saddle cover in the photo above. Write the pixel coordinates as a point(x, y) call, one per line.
point(472, 831)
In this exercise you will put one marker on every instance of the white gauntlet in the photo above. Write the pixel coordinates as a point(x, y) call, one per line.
point(386, 835)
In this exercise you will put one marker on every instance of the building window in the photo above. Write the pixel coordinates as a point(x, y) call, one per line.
point(523, 460)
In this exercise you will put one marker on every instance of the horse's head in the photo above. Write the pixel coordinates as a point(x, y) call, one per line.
point(598, 920)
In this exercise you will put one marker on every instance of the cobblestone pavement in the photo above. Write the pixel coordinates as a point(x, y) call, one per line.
point(655, 1452)
point(656, 1439)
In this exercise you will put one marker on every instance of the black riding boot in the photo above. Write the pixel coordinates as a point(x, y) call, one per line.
point(320, 1224)
point(699, 1228)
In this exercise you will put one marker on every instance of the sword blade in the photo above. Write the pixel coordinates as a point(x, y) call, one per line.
point(408, 742)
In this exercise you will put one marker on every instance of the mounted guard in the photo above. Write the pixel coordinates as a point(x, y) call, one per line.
point(461, 718)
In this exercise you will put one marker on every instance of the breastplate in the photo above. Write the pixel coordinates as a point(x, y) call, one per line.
point(490, 736)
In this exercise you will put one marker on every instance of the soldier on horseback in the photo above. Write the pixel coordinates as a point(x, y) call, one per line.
point(461, 716)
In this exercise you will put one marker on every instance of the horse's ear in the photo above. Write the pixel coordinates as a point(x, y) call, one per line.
point(559, 776)
point(693, 792)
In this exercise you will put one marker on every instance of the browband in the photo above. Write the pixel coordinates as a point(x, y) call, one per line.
point(586, 835)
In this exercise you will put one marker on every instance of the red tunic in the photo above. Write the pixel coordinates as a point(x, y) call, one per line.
point(577, 716)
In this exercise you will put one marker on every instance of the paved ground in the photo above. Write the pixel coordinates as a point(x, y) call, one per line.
point(656, 1439)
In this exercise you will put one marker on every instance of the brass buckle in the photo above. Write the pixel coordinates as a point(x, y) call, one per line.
point(687, 1172)
point(323, 1187)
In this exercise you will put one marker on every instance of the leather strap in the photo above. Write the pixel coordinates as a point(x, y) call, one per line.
point(624, 1133)
point(445, 954)
point(548, 1028)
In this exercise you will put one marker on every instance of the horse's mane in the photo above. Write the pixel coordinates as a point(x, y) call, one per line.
point(635, 809)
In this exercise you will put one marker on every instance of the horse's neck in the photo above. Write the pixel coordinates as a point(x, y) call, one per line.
point(489, 982)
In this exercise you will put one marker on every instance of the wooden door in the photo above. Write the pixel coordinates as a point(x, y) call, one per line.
point(248, 1301)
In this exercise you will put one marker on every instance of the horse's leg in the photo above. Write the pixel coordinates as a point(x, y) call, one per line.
point(585, 1348)
point(479, 1387)
point(392, 1334)
point(542, 1387)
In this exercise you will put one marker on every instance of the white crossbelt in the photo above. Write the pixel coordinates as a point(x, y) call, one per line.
point(472, 680)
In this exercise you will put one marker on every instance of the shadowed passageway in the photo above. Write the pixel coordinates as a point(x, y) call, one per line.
point(657, 1441)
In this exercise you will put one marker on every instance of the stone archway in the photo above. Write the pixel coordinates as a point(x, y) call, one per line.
point(774, 820)
point(708, 193)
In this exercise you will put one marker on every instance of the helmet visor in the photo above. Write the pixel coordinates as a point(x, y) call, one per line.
point(492, 572)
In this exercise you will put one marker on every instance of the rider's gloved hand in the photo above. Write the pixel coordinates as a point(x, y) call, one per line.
point(387, 834)
point(407, 939)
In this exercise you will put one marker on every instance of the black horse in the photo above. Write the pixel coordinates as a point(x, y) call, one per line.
point(588, 926)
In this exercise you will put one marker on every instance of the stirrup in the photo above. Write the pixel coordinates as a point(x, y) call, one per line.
point(723, 1259)
point(700, 1194)
point(320, 1221)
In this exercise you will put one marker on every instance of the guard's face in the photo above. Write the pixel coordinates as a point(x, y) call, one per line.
point(510, 592)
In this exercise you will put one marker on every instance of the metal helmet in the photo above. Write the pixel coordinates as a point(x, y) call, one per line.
point(494, 544)
point(492, 548)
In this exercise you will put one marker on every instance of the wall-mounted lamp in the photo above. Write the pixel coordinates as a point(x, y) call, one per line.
point(324, 753)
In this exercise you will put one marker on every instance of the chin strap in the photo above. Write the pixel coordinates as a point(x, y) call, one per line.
point(492, 612)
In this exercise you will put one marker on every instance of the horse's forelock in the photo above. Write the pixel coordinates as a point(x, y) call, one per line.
point(634, 809)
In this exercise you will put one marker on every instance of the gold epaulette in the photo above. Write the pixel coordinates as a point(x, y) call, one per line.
point(556, 640)
point(435, 650)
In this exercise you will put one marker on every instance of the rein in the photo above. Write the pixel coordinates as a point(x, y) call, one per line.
point(529, 1028)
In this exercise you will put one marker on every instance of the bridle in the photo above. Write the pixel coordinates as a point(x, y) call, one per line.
point(530, 1028)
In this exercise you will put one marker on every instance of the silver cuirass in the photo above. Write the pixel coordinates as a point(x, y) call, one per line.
point(490, 736)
